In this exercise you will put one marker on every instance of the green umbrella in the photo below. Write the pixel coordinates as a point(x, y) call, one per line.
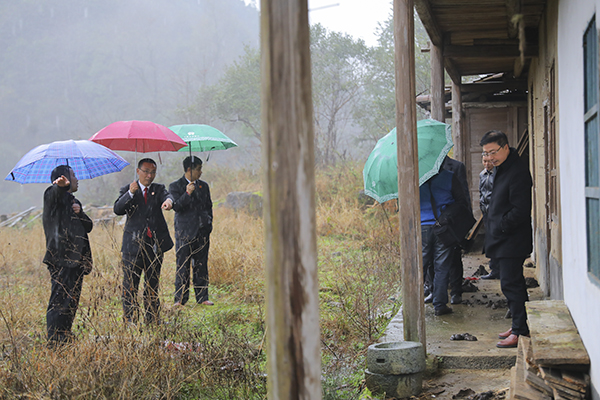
point(202, 138)
point(381, 169)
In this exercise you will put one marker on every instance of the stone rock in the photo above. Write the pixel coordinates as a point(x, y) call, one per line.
point(399, 386)
point(396, 358)
point(245, 201)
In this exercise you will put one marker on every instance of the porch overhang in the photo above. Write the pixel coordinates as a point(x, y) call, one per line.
point(484, 36)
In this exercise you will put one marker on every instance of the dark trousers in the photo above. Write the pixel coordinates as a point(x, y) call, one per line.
point(148, 262)
point(513, 287)
point(440, 256)
point(455, 275)
point(192, 255)
point(63, 303)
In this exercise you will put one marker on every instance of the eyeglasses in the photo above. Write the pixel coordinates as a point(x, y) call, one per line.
point(491, 153)
point(148, 171)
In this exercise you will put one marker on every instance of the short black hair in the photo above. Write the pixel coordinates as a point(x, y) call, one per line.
point(191, 162)
point(146, 160)
point(60, 171)
point(494, 137)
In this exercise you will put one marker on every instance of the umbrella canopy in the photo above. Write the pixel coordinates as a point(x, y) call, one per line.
point(87, 159)
point(380, 174)
point(202, 137)
point(434, 141)
point(138, 136)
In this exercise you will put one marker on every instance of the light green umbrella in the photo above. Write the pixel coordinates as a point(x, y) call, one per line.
point(202, 138)
point(381, 169)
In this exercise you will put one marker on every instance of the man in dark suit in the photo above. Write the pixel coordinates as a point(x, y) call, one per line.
point(193, 225)
point(68, 254)
point(508, 236)
point(145, 239)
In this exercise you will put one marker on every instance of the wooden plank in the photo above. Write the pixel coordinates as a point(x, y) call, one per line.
point(513, 381)
point(578, 378)
point(531, 370)
point(554, 337)
point(522, 390)
point(293, 356)
point(538, 383)
point(554, 377)
point(411, 259)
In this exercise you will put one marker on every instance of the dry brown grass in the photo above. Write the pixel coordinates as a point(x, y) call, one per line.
point(199, 352)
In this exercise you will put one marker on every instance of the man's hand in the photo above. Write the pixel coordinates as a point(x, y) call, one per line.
point(190, 188)
point(133, 187)
point(167, 205)
point(76, 208)
point(62, 181)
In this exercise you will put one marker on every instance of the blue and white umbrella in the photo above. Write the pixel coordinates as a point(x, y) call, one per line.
point(87, 159)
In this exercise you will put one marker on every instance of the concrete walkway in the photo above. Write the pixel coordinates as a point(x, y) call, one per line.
point(476, 365)
point(476, 316)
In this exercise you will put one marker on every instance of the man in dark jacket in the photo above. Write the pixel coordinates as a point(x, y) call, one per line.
point(440, 191)
point(145, 239)
point(486, 184)
point(508, 237)
point(193, 225)
point(456, 267)
point(68, 254)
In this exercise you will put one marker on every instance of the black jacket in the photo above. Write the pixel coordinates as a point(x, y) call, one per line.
point(141, 216)
point(460, 171)
point(509, 232)
point(67, 243)
point(192, 213)
point(486, 184)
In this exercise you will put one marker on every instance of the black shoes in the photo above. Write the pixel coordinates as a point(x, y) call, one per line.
point(429, 298)
point(443, 311)
point(456, 299)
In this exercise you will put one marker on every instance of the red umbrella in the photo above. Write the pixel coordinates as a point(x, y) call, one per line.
point(138, 136)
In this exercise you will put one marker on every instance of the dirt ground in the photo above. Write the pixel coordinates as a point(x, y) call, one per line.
point(476, 384)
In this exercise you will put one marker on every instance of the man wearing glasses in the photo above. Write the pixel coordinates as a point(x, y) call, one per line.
point(508, 237)
point(145, 239)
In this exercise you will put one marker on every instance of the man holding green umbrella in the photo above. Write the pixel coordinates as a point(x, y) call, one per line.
point(193, 225)
point(439, 188)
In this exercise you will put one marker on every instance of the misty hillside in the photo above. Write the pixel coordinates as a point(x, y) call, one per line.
point(70, 67)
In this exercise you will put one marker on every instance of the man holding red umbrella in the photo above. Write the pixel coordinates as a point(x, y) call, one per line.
point(145, 240)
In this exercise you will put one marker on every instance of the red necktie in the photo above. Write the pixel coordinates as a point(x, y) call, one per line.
point(148, 232)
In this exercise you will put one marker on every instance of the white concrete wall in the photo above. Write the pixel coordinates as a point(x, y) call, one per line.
point(582, 296)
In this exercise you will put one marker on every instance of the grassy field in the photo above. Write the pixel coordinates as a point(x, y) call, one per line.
point(200, 352)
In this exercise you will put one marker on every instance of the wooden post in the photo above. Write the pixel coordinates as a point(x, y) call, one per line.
point(411, 257)
point(457, 124)
point(438, 104)
point(293, 348)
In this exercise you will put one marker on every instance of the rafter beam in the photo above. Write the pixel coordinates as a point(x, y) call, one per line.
point(425, 12)
point(500, 51)
point(493, 87)
point(452, 71)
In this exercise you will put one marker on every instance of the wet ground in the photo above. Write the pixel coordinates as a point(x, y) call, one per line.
point(468, 369)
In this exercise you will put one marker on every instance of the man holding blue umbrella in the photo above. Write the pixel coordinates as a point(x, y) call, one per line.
point(68, 254)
